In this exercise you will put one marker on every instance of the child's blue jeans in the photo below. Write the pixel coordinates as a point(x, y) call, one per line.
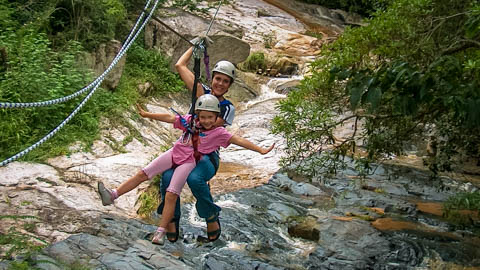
point(198, 182)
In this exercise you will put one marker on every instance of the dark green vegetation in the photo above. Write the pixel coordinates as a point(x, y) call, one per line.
point(149, 200)
point(254, 62)
point(463, 209)
point(362, 7)
point(411, 74)
point(41, 43)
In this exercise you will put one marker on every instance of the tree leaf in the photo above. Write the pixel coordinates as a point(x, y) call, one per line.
point(355, 96)
point(473, 113)
point(399, 76)
point(374, 95)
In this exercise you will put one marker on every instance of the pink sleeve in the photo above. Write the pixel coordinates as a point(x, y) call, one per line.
point(224, 138)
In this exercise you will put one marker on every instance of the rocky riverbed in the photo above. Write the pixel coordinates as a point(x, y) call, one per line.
point(271, 218)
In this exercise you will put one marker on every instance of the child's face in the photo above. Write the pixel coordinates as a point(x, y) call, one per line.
point(207, 119)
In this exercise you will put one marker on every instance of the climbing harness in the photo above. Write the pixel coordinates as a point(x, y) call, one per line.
point(187, 135)
point(128, 42)
point(183, 121)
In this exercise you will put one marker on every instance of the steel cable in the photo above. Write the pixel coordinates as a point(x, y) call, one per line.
point(7, 105)
point(64, 122)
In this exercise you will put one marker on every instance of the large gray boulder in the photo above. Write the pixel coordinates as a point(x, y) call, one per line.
point(101, 58)
point(227, 43)
point(104, 56)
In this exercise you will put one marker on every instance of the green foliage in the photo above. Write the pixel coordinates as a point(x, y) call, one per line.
point(151, 66)
point(6, 12)
point(149, 200)
point(92, 21)
point(314, 34)
point(464, 201)
point(363, 7)
point(413, 72)
point(14, 242)
point(455, 206)
point(35, 73)
point(254, 62)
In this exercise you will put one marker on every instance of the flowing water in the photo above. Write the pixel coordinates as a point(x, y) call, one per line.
point(385, 222)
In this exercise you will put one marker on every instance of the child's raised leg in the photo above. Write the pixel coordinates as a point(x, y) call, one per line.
point(157, 166)
point(108, 196)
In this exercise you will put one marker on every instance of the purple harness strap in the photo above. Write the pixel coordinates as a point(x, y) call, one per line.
point(206, 61)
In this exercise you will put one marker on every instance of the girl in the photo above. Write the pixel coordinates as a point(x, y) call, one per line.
point(183, 156)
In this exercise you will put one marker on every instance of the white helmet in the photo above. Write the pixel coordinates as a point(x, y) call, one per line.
point(225, 67)
point(207, 102)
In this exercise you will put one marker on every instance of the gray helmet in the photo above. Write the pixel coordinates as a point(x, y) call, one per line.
point(207, 102)
point(225, 67)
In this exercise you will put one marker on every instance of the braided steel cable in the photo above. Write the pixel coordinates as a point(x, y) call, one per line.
point(214, 16)
point(7, 105)
point(206, 58)
point(64, 122)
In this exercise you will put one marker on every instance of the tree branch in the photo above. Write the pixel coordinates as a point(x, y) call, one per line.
point(449, 17)
point(467, 43)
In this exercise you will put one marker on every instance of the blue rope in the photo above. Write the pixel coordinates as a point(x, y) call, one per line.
point(183, 121)
point(64, 122)
point(100, 78)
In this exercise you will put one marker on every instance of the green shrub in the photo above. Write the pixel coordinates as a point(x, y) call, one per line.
point(36, 73)
point(395, 80)
point(151, 66)
point(149, 200)
point(15, 243)
point(455, 206)
point(464, 201)
point(363, 7)
point(254, 62)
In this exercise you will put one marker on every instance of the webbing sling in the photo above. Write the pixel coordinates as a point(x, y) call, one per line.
point(195, 137)
point(196, 71)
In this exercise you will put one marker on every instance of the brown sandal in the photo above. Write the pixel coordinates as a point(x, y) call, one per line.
point(215, 234)
point(173, 236)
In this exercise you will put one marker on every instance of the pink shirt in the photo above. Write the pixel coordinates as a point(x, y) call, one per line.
point(209, 141)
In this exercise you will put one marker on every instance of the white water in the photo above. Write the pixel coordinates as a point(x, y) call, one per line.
point(254, 124)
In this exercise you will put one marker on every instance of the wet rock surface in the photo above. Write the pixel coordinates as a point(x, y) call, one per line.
point(275, 227)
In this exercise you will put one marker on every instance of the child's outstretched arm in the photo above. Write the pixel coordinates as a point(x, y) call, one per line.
point(164, 117)
point(249, 145)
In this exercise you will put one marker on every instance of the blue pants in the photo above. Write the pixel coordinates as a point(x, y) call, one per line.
point(197, 181)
